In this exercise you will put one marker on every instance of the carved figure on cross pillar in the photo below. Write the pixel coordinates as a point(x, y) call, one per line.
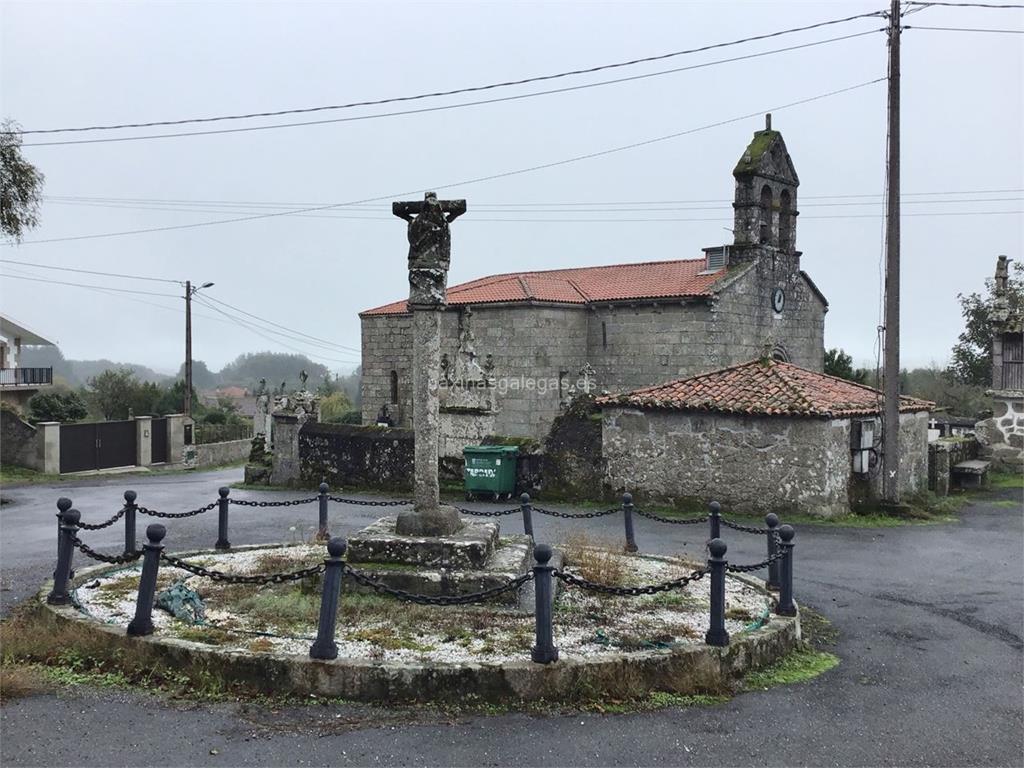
point(430, 246)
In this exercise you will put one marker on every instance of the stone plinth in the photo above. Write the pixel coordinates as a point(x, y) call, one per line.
point(470, 547)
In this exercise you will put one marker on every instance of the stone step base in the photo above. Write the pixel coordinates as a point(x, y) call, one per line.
point(469, 548)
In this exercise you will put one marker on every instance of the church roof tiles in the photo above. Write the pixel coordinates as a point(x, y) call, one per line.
point(763, 388)
point(581, 285)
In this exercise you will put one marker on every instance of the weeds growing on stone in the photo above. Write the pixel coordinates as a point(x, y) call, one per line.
point(595, 559)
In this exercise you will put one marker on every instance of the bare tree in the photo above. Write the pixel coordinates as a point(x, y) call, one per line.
point(21, 185)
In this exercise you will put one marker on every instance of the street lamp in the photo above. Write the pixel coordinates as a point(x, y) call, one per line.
point(189, 292)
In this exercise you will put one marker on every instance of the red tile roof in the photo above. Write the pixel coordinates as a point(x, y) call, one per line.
point(582, 285)
point(763, 387)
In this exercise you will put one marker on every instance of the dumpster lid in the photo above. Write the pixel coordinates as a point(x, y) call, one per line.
point(490, 449)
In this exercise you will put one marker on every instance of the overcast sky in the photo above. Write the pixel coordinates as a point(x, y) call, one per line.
point(83, 64)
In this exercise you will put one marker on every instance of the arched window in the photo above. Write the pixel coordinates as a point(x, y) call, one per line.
point(394, 386)
point(766, 214)
point(785, 221)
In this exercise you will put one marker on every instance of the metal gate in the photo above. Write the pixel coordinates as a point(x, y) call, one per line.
point(159, 445)
point(98, 445)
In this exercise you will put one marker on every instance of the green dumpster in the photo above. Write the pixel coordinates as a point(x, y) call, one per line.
point(490, 471)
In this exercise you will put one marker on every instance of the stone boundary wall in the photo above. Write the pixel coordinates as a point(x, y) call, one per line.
point(943, 455)
point(1002, 435)
point(350, 455)
point(19, 441)
point(214, 454)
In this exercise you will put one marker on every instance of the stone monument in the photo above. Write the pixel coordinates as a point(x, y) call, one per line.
point(429, 258)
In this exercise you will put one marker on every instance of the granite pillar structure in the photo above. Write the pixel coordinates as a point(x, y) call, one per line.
point(429, 258)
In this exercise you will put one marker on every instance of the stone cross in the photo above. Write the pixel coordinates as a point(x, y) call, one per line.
point(429, 258)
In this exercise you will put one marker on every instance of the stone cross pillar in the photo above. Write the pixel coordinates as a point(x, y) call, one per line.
point(429, 259)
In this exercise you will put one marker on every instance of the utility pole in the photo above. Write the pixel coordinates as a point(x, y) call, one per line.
point(189, 292)
point(891, 377)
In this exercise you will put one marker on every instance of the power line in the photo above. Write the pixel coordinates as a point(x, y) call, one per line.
point(968, 29)
point(465, 182)
point(259, 332)
point(446, 106)
point(91, 272)
point(282, 327)
point(476, 205)
point(457, 91)
point(967, 5)
point(101, 287)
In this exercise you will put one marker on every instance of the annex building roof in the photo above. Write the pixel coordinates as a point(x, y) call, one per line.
point(763, 387)
point(678, 279)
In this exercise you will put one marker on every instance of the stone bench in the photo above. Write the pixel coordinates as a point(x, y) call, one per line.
point(971, 474)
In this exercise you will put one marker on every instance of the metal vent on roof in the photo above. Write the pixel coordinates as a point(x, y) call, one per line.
point(716, 258)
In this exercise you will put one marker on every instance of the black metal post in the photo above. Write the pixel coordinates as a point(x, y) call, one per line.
point(771, 520)
point(324, 646)
point(716, 634)
point(715, 520)
point(321, 533)
point(544, 652)
point(129, 521)
point(222, 520)
point(786, 606)
point(60, 594)
point(63, 505)
point(142, 624)
point(524, 504)
point(627, 516)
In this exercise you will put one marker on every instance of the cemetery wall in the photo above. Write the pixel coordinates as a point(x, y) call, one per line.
point(348, 455)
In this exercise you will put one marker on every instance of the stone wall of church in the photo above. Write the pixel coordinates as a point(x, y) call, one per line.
point(537, 354)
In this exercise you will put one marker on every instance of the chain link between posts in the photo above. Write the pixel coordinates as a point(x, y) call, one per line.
point(177, 515)
point(747, 528)
point(488, 513)
point(105, 524)
point(370, 503)
point(228, 578)
point(290, 503)
point(88, 551)
point(474, 597)
point(671, 520)
point(755, 566)
point(649, 589)
point(576, 516)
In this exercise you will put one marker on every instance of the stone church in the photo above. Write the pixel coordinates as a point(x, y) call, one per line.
point(518, 346)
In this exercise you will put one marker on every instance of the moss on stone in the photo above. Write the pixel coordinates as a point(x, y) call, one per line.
point(755, 151)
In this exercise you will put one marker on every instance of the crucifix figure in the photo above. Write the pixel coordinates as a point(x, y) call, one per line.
point(430, 246)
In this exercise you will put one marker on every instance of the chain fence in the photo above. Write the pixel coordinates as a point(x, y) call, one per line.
point(411, 597)
point(756, 566)
point(671, 520)
point(85, 549)
point(574, 515)
point(104, 524)
point(289, 503)
point(649, 589)
point(176, 515)
point(371, 503)
point(229, 578)
point(486, 513)
point(746, 528)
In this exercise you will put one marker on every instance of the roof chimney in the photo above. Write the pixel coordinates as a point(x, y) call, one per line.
point(768, 121)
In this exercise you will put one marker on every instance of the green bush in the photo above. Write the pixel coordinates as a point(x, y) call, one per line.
point(56, 406)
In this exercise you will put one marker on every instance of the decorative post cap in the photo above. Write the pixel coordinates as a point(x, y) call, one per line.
point(130, 497)
point(64, 504)
point(627, 498)
point(155, 532)
point(524, 498)
point(717, 547)
point(786, 533)
point(224, 492)
point(336, 547)
point(324, 487)
point(715, 507)
point(771, 520)
point(542, 553)
point(71, 517)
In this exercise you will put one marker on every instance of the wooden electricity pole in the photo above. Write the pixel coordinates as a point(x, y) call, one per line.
point(891, 378)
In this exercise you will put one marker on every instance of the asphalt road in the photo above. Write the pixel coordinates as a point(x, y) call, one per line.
point(930, 636)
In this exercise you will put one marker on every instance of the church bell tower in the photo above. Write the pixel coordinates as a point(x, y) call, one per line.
point(765, 206)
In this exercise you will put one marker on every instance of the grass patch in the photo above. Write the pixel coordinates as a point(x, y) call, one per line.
point(797, 667)
point(1006, 503)
point(20, 680)
point(12, 475)
point(1005, 480)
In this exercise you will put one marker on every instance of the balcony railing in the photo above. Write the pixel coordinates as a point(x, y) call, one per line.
point(25, 377)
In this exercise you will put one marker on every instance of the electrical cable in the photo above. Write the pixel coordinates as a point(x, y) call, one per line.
point(92, 272)
point(102, 287)
point(967, 29)
point(465, 182)
point(457, 91)
point(282, 327)
point(442, 107)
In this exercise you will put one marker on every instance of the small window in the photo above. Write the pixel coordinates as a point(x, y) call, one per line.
point(604, 335)
point(766, 214)
point(785, 221)
point(394, 387)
